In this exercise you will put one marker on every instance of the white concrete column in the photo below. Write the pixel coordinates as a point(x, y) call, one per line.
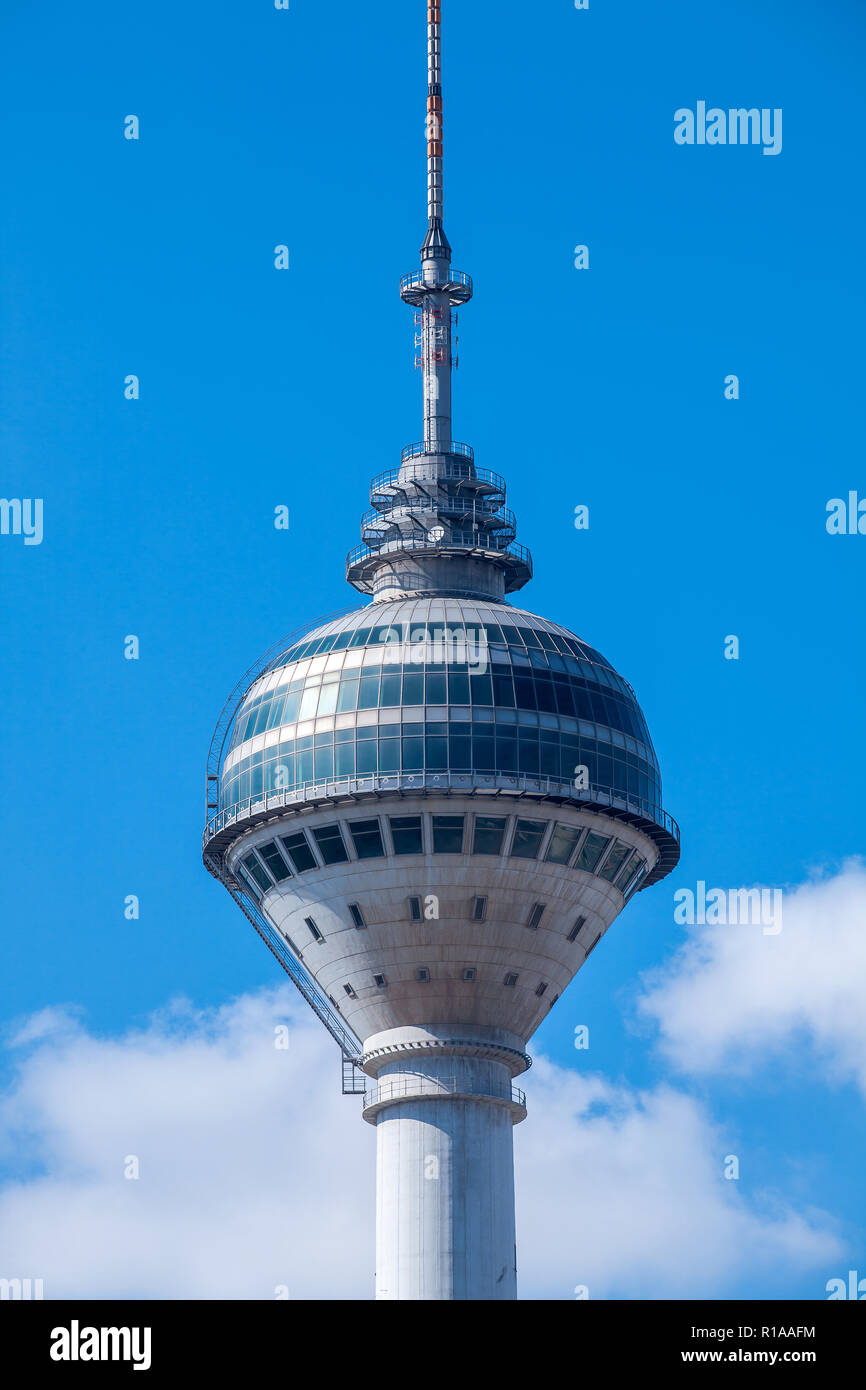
point(444, 1177)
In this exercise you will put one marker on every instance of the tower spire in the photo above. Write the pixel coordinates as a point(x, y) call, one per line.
point(437, 524)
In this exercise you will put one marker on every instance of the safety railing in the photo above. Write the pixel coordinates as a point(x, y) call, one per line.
point(439, 1087)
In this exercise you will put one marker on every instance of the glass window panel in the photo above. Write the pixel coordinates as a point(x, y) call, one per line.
point(458, 687)
point(413, 754)
point(330, 842)
point(249, 883)
point(367, 839)
point(406, 834)
point(447, 834)
point(367, 756)
point(360, 637)
point(309, 701)
point(626, 871)
point(261, 719)
point(529, 637)
point(483, 754)
point(345, 759)
point(614, 861)
point(293, 704)
point(328, 701)
point(489, 833)
point(528, 835)
point(389, 755)
point(343, 640)
point(275, 861)
point(413, 688)
point(301, 857)
point(390, 690)
point(258, 781)
point(525, 692)
point(436, 689)
point(368, 694)
point(512, 636)
point(546, 641)
point(276, 711)
point(324, 763)
point(459, 753)
point(437, 754)
point(254, 868)
point(482, 689)
point(503, 689)
point(529, 755)
point(591, 851)
point(562, 843)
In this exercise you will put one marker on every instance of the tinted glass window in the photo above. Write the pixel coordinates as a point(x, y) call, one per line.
point(275, 861)
point(330, 843)
point(614, 861)
point(591, 851)
point(489, 833)
point(447, 834)
point(406, 834)
point(299, 852)
point(528, 835)
point(367, 839)
point(255, 869)
point(562, 843)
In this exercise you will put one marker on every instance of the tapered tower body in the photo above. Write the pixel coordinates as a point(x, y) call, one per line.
point(432, 808)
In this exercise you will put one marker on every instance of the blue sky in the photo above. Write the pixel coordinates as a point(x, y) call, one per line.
point(602, 387)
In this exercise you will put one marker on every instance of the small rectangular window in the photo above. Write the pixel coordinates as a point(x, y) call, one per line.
point(415, 913)
point(614, 861)
point(275, 861)
point(249, 883)
point(356, 915)
point(528, 836)
point(469, 974)
point(591, 851)
point(535, 916)
point(406, 834)
point(447, 834)
point(575, 931)
point(422, 975)
point(380, 981)
point(313, 929)
point(625, 873)
point(367, 839)
point(351, 993)
point(636, 881)
point(562, 843)
point(301, 857)
point(489, 834)
point(329, 838)
point(253, 867)
point(292, 945)
point(479, 909)
point(541, 988)
point(591, 948)
point(511, 981)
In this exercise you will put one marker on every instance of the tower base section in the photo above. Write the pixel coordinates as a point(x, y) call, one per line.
point(444, 1107)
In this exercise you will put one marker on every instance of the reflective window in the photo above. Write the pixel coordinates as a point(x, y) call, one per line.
point(535, 916)
point(313, 929)
point(249, 883)
point(367, 839)
point(528, 835)
point(575, 931)
point(562, 843)
point(591, 851)
point(447, 834)
point(406, 834)
point(489, 833)
point(626, 871)
point(300, 855)
point(330, 842)
point(275, 861)
point(256, 871)
point(614, 861)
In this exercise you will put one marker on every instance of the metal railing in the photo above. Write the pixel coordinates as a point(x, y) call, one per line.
point(416, 279)
point(433, 1088)
point(452, 446)
point(513, 550)
point(438, 473)
point(517, 784)
point(489, 515)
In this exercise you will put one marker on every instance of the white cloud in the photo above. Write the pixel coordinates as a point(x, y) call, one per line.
point(256, 1171)
point(732, 997)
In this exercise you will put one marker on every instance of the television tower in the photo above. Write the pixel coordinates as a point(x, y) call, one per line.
point(431, 808)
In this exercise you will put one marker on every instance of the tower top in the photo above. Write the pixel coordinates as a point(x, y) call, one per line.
point(437, 524)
